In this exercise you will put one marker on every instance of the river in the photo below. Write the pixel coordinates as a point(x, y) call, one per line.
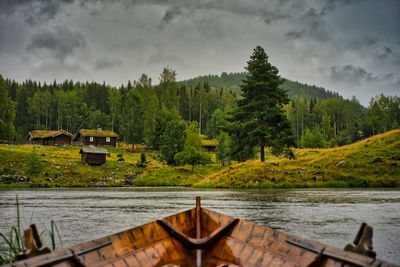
point(330, 216)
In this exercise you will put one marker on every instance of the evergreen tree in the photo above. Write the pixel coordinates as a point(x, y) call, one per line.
point(259, 117)
point(132, 118)
point(150, 106)
point(224, 148)
point(114, 105)
point(167, 90)
point(193, 152)
point(216, 123)
point(7, 113)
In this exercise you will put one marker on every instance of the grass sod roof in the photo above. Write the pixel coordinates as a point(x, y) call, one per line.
point(96, 133)
point(41, 134)
point(93, 150)
point(210, 143)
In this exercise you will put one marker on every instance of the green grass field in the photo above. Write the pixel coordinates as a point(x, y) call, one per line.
point(373, 162)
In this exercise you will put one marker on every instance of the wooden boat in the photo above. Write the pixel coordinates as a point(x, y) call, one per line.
point(201, 237)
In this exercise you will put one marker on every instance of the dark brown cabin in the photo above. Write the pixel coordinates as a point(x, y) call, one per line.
point(98, 137)
point(93, 156)
point(50, 138)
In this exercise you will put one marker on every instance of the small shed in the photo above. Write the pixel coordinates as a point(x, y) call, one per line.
point(98, 137)
point(93, 156)
point(51, 138)
point(209, 145)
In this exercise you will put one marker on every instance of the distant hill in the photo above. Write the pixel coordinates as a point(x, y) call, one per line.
point(232, 81)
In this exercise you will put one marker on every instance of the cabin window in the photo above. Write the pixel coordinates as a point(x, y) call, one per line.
point(108, 139)
point(91, 139)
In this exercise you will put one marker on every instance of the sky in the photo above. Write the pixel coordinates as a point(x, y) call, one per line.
point(348, 46)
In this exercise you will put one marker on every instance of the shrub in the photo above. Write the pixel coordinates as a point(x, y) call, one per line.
point(142, 163)
point(34, 166)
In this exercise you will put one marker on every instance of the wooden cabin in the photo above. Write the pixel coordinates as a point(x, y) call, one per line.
point(98, 137)
point(50, 138)
point(93, 156)
point(209, 145)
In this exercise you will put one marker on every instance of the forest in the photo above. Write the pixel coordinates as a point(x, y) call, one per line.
point(144, 113)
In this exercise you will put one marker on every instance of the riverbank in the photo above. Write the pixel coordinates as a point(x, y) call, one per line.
point(373, 162)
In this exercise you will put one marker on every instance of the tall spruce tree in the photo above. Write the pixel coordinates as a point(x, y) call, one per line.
point(7, 113)
point(259, 119)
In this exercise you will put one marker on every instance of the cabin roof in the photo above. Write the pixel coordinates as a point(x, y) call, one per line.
point(93, 150)
point(97, 133)
point(46, 134)
point(209, 143)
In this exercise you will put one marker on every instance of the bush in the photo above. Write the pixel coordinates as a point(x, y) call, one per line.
point(313, 139)
point(344, 138)
point(224, 148)
point(173, 140)
point(360, 182)
point(142, 163)
point(34, 166)
point(193, 152)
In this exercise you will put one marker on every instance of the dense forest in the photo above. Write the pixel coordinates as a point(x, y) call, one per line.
point(143, 113)
point(233, 81)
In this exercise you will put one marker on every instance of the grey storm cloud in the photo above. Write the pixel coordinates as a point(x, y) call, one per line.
point(294, 35)
point(59, 42)
point(107, 63)
point(385, 52)
point(356, 75)
point(34, 11)
point(342, 45)
point(331, 5)
point(171, 13)
point(274, 16)
point(314, 18)
point(269, 13)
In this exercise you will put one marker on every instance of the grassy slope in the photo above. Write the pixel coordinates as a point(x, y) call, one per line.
point(312, 168)
point(63, 167)
point(320, 167)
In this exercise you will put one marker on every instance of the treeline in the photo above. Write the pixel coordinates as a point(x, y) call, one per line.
point(233, 81)
point(337, 121)
point(144, 113)
point(139, 111)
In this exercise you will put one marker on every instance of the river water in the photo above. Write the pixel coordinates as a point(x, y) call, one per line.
point(329, 216)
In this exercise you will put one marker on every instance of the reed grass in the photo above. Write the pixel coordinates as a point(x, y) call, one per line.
point(12, 243)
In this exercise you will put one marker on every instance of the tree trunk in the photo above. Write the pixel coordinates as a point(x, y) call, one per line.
point(200, 119)
point(190, 106)
point(334, 129)
point(297, 130)
point(262, 153)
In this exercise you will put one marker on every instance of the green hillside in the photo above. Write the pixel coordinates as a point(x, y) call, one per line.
point(61, 167)
point(232, 81)
point(372, 162)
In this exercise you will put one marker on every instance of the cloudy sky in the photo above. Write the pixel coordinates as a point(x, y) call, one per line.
point(348, 46)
